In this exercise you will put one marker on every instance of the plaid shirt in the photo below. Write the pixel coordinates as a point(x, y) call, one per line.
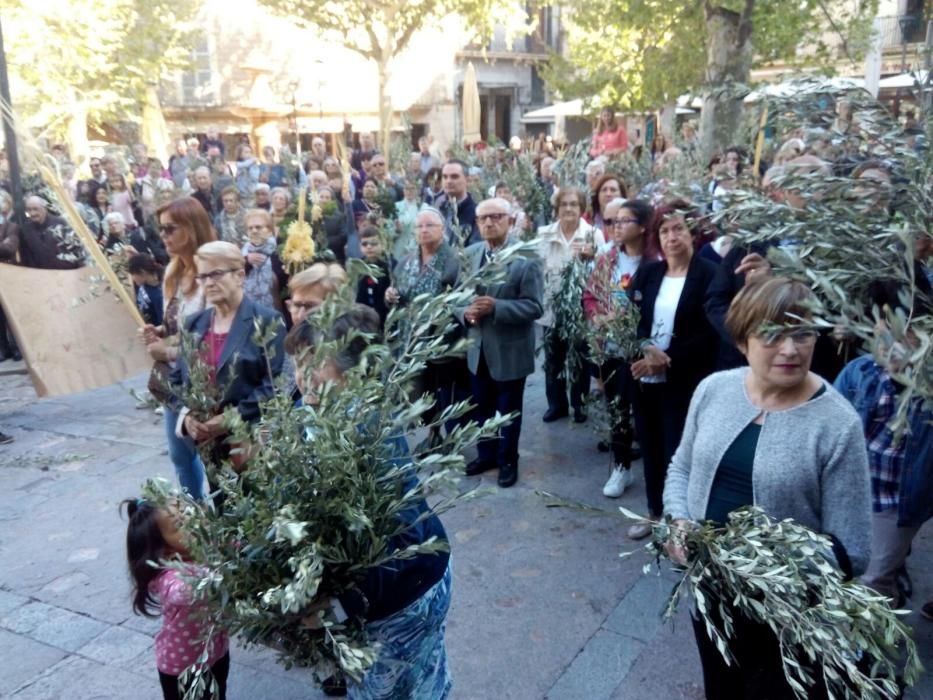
point(885, 453)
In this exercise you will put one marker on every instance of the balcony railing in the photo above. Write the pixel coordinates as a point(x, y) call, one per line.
point(902, 29)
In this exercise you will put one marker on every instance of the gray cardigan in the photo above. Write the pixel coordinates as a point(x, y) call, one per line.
point(811, 463)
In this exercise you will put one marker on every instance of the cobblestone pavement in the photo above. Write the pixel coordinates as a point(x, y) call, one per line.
point(543, 606)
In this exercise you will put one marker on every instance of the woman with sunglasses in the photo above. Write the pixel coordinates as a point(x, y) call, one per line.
point(183, 226)
point(778, 436)
point(242, 371)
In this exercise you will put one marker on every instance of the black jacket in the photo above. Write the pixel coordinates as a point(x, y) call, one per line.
point(726, 284)
point(461, 224)
point(694, 345)
point(829, 355)
point(44, 246)
point(9, 242)
point(244, 367)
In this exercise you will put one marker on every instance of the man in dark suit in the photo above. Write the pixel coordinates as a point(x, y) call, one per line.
point(500, 322)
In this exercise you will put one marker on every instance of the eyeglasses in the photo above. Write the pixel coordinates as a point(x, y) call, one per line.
point(621, 221)
point(168, 229)
point(213, 276)
point(802, 338)
point(495, 218)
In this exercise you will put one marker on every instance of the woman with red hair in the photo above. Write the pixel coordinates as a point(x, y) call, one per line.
point(184, 226)
point(680, 345)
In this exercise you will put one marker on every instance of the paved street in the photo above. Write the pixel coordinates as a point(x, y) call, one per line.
point(543, 606)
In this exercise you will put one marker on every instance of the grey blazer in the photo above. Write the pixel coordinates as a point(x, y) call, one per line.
point(507, 336)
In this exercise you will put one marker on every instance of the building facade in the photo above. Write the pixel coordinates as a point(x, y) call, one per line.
point(259, 78)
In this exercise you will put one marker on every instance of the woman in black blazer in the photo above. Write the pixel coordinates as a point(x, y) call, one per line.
point(681, 345)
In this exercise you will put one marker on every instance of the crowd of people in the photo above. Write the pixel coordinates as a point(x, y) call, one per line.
point(735, 397)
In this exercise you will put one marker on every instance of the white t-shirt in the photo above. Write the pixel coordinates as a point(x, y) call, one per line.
point(662, 324)
point(625, 265)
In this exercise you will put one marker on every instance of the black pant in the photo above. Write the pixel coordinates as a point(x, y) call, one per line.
point(756, 673)
point(505, 397)
point(618, 384)
point(449, 382)
point(556, 372)
point(660, 414)
point(220, 671)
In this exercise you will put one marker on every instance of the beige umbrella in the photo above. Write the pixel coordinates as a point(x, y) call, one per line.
point(471, 109)
point(155, 131)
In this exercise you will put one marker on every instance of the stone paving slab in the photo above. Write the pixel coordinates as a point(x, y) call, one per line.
point(116, 645)
point(77, 677)
point(22, 659)
point(598, 668)
point(53, 626)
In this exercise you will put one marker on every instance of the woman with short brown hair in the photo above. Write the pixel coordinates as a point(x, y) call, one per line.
point(778, 436)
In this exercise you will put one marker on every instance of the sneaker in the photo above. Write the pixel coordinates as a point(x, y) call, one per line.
point(5, 439)
point(619, 480)
point(639, 531)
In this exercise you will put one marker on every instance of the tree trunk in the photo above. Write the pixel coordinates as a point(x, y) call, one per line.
point(78, 146)
point(385, 103)
point(728, 61)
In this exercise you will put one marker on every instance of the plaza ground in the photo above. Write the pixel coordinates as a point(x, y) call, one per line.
point(543, 606)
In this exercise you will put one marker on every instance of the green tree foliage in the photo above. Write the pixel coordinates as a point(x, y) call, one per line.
point(641, 54)
point(379, 30)
point(77, 63)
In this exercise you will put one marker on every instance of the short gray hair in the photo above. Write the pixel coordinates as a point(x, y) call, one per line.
point(500, 202)
point(433, 211)
point(283, 191)
point(114, 216)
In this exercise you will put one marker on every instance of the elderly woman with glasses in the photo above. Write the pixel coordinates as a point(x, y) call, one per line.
point(240, 371)
point(775, 435)
point(568, 238)
point(432, 269)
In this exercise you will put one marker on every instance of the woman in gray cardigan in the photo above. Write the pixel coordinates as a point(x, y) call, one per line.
point(775, 435)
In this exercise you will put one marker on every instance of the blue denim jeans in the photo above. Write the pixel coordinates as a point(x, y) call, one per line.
point(184, 456)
